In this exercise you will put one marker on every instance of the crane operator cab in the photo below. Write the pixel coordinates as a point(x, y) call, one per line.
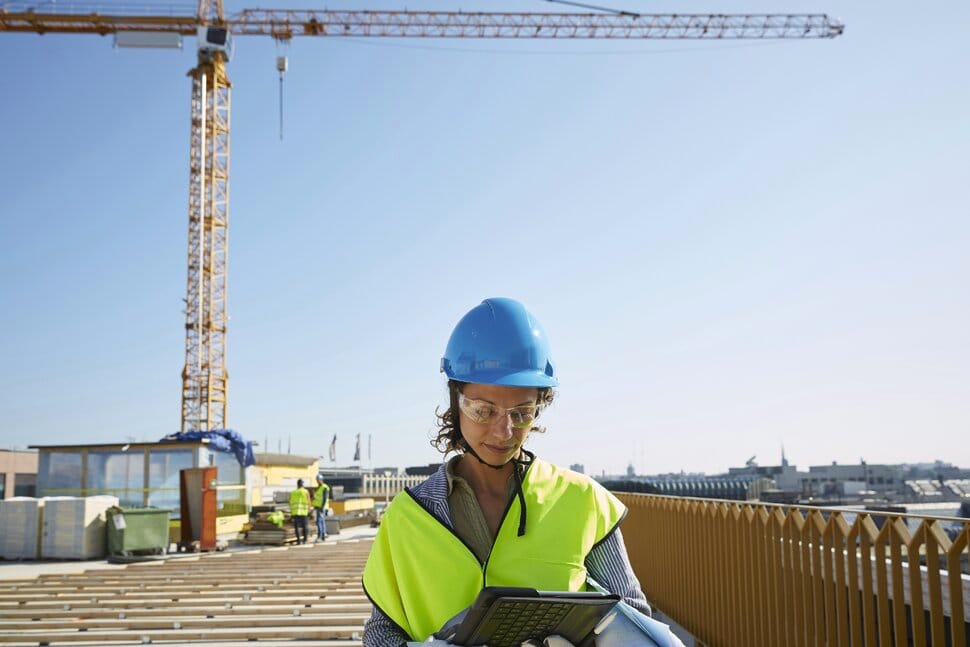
point(212, 40)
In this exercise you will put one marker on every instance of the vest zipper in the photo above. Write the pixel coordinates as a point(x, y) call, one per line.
point(508, 506)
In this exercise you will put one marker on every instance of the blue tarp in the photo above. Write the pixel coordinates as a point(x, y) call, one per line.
point(223, 440)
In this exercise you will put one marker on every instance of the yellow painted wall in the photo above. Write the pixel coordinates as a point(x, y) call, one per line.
point(224, 526)
point(271, 477)
point(274, 475)
point(351, 505)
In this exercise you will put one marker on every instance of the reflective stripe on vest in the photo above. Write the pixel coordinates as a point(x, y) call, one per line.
point(420, 574)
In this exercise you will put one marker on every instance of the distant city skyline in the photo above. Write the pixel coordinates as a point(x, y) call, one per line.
point(920, 467)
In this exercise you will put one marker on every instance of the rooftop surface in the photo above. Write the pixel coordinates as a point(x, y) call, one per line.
point(273, 594)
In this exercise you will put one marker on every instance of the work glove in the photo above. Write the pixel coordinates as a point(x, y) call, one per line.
point(435, 642)
point(549, 641)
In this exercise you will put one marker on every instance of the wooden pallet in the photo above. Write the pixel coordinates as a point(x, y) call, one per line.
point(311, 593)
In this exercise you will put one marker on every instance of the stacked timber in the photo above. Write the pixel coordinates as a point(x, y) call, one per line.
point(263, 532)
point(353, 512)
point(311, 594)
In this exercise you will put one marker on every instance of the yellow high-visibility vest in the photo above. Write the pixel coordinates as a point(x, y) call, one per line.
point(318, 500)
point(420, 573)
point(299, 503)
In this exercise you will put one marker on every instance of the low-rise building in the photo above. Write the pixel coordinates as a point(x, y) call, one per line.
point(274, 473)
point(844, 480)
point(143, 475)
point(18, 473)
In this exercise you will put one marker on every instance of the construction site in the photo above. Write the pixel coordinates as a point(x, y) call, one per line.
point(366, 201)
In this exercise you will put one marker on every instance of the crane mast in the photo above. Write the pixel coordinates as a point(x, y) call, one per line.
point(205, 379)
point(204, 376)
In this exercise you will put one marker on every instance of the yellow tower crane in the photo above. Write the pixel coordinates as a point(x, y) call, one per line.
point(204, 378)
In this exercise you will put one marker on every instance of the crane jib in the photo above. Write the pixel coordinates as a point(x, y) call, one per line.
point(286, 24)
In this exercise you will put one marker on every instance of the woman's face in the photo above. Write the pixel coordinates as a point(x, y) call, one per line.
point(488, 425)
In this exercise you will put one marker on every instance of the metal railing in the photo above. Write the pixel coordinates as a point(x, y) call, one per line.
point(381, 485)
point(738, 574)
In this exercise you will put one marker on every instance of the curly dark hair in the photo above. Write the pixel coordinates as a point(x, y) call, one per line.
point(448, 437)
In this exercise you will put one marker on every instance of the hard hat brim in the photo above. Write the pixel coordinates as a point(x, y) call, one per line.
point(528, 378)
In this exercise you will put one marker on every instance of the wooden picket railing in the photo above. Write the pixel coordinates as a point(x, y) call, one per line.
point(738, 574)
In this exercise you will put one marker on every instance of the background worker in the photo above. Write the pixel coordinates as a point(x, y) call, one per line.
point(299, 510)
point(321, 504)
point(494, 514)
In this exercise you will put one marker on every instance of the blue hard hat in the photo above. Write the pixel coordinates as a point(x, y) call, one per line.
point(499, 342)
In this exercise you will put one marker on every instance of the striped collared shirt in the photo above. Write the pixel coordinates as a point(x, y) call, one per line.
point(607, 563)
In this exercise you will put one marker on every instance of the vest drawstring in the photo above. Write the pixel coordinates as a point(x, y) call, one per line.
point(516, 464)
point(518, 489)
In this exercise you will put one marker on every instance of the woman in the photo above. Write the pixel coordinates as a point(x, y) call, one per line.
point(493, 515)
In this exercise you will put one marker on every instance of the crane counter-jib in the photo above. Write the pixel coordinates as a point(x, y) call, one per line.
point(286, 24)
point(26, 19)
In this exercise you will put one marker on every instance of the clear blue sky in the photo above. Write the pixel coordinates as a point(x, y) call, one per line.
point(732, 246)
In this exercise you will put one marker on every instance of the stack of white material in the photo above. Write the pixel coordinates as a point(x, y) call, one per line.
point(74, 527)
point(20, 523)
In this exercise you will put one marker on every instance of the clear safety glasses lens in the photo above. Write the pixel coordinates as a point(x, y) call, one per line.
point(486, 413)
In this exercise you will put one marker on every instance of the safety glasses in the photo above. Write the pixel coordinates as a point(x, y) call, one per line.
point(486, 413)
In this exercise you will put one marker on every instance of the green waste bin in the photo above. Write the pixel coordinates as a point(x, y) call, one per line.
point(137, 531)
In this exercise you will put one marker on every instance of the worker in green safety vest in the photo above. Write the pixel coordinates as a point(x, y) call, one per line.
point(321, 506)
point(300, 510)
point(494, 514)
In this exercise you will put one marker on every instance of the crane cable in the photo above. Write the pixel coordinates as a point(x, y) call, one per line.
point(282, 63)
point(618, 12)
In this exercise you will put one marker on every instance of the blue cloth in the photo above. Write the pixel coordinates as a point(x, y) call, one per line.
point(223, 440)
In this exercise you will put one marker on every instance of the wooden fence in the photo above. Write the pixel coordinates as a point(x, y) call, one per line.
point(739, 574)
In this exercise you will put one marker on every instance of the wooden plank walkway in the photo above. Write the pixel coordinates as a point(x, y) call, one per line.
point(311, 593)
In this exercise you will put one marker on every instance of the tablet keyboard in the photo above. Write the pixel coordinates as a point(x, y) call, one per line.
point(511, 624)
